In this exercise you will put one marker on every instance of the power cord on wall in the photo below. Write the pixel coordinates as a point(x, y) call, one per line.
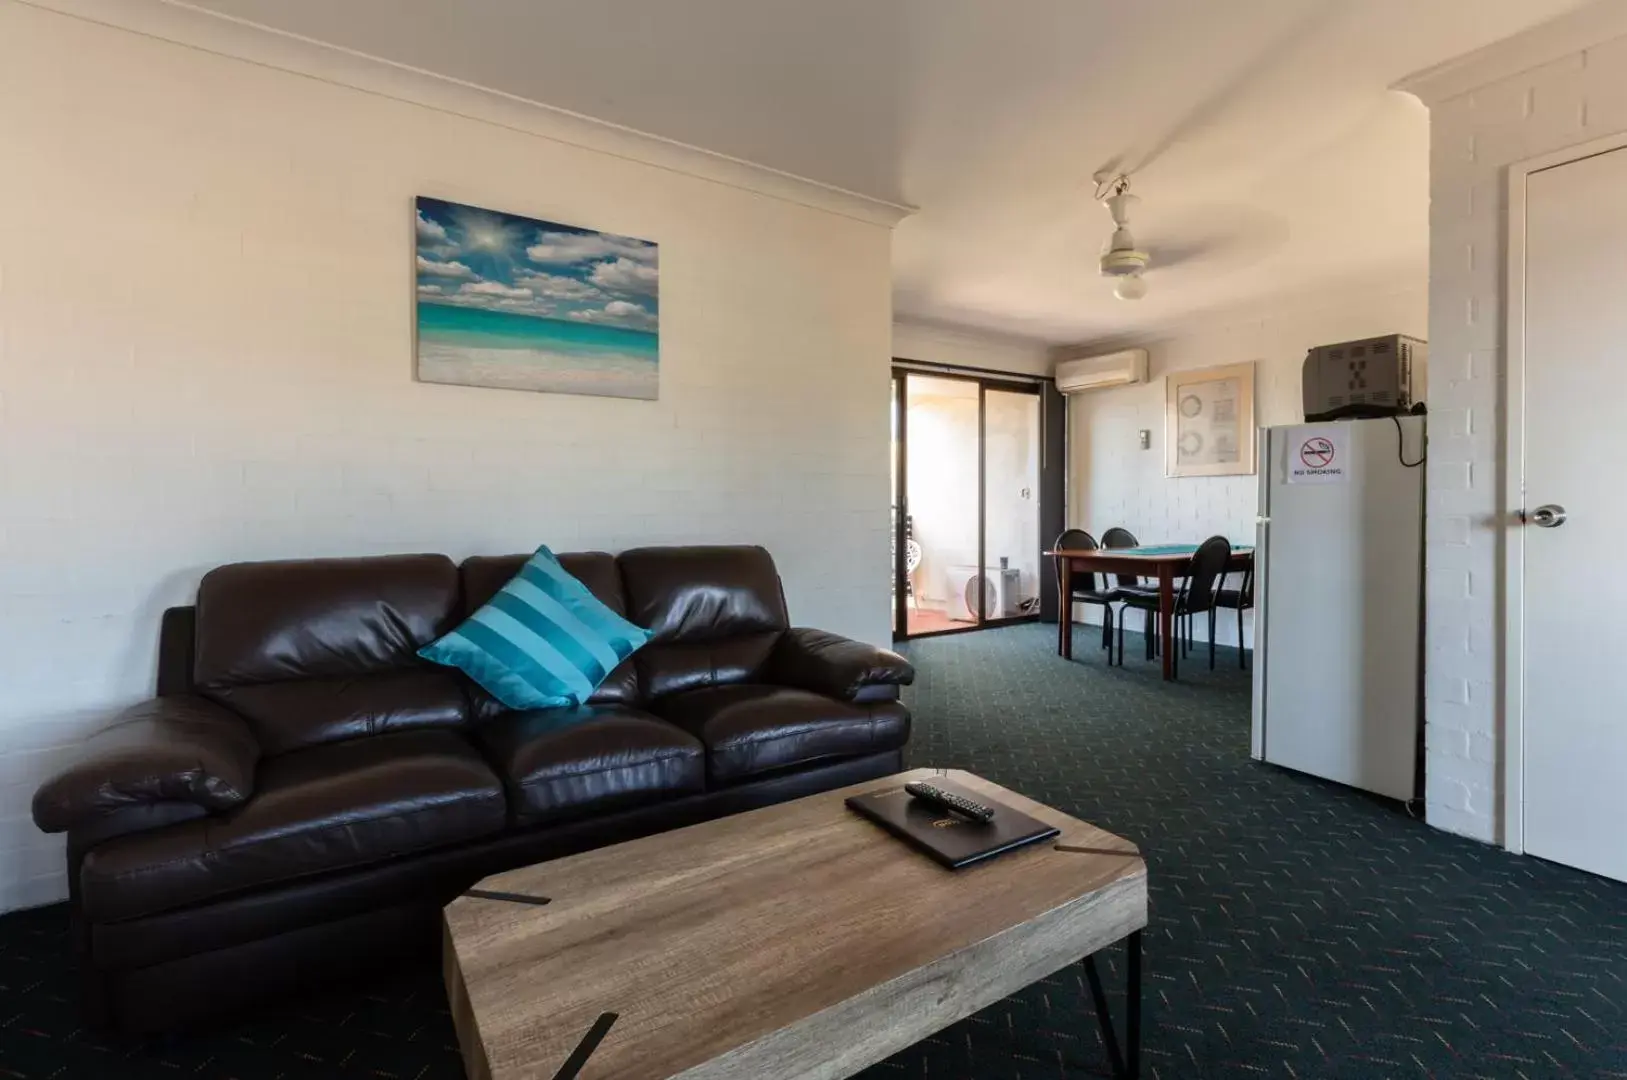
point(1401, 446)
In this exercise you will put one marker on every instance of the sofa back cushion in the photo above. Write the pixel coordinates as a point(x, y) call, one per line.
point(316, 650)
point(715, 614)
point(483, 575)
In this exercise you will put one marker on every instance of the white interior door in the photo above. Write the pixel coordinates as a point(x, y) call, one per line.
point(1574, 709)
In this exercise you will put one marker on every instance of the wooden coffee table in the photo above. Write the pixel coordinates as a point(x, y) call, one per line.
point(794, 942)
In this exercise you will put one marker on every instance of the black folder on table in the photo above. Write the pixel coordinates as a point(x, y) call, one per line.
point(949, 838)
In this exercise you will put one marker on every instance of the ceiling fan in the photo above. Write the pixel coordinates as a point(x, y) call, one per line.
point(1240, 234)
point(1121, 259)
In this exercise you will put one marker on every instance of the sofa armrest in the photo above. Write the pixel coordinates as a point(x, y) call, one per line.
point(836, 666)
point(169, 749)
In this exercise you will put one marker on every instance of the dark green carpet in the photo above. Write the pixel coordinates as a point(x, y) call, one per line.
point(1298, 929)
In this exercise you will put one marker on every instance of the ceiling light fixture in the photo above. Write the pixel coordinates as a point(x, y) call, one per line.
point(1130, 287)
point(1121, 259)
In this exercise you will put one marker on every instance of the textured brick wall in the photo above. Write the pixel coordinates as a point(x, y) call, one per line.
point(1474, 137)
point(206, 355)
point(1114, 482)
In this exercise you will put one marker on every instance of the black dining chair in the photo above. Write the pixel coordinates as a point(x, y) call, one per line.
point(1119, 537)
point(1243, 600)
point(1198, 591)
point(1130, 584)
point(1084, 585)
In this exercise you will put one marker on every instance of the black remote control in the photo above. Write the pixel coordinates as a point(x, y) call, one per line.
point(948, 800)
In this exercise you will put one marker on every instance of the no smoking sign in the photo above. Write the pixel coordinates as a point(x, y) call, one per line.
point(1318, 455)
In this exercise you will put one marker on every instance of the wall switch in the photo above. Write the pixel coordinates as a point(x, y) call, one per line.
point(1146, 439)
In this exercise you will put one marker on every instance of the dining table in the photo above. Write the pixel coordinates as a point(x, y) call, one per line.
point(1166, 562)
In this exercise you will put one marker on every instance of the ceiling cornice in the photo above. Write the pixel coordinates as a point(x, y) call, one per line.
point(965, 335)
point(208, 31)
point(1583, 28)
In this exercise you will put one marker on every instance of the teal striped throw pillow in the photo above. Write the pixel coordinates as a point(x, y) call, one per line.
point(543, 641)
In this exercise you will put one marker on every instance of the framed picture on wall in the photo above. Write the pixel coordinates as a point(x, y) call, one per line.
point(1209, 421)
point(520, 303)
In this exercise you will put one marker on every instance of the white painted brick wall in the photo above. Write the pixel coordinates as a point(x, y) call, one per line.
point(1474, 137)
point(206, 356)
point(1112, 481)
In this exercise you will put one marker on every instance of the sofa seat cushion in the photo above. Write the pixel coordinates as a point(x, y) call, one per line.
point(319, 809)
point(750, 729)
point(566, 763)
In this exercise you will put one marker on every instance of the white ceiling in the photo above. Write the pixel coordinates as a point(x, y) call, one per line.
point(1270, 157)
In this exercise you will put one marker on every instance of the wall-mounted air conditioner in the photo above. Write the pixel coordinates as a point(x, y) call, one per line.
point(1124, 368)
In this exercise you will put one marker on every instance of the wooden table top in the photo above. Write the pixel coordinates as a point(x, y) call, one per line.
point(797, 941)
point(1145, 558)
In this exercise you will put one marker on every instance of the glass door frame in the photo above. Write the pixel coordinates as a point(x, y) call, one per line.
point(900, 399)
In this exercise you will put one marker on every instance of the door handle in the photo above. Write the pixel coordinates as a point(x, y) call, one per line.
point(1548, 516)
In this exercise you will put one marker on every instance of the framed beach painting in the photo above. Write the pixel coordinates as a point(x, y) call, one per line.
point(1209, 421)
point(522, 304)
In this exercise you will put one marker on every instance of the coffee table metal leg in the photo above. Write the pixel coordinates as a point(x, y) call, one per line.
point(1127, 1064)
point(1132, 1010)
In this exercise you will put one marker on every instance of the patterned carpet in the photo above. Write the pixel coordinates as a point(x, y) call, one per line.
point(1299, 929)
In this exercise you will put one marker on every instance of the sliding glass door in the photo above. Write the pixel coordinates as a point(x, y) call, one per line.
point(966, 456)
point(1011, 541)
point(941, 503)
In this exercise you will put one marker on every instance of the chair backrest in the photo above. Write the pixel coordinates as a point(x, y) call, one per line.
point(1119, 537)
point(1078, 540)
point(1203, 573)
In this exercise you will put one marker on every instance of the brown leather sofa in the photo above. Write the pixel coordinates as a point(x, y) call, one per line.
point(305, 793)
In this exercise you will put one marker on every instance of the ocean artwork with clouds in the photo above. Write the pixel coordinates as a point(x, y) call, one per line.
point(522, 304)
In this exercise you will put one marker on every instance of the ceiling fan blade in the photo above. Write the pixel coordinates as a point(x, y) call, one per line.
point(1167, 256)
point(1216, 236)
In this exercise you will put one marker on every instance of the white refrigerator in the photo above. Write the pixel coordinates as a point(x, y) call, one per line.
point(1338, 630)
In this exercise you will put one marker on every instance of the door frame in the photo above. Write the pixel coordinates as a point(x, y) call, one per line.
point(901, 477)
point(984, 379)
point(1513, 652)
